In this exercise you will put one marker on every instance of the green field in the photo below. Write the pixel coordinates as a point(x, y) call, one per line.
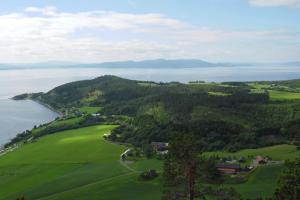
point(58, 123)
point(261, 183)
point(218, 94)
point(277, 94)
point(282, 95)
point(89, 109)
point(146, 164)
point(80, 164)
point(75, 164)
point(277, 152)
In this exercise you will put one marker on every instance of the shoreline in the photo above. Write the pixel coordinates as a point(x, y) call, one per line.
point(38, 102)
point(47, 106)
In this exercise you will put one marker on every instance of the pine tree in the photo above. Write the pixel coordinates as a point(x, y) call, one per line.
point(181, 169)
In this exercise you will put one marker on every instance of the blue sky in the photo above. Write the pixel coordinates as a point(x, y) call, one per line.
point(101, 30)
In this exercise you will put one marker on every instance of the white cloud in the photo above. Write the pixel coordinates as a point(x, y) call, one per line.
point(41, 34)
point(290, 3)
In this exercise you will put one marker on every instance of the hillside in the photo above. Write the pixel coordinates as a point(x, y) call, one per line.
point(73, 161)
point(224, 116)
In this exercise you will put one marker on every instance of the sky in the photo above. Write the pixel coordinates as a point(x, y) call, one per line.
point(91, 31)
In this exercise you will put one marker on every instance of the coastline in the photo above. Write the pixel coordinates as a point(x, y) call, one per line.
point(46, 106)
point(39, 102)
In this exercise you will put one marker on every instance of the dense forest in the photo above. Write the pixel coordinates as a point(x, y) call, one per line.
point(231, 115)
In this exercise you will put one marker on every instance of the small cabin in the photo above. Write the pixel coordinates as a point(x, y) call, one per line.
point(228, 168)
point(261, 160)
point(159, 146)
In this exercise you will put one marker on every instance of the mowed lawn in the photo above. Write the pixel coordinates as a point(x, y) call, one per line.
point(77, 163)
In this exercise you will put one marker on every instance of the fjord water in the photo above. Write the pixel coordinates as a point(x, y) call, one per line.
point(17, 116)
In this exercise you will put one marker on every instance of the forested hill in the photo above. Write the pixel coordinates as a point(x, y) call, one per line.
point(227, 115)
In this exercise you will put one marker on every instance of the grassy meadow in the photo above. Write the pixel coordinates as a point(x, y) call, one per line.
point(275, 94)
point(261, 183)
point(66, 163)
point(283, 95)
point(58, 123)
point(89, 109)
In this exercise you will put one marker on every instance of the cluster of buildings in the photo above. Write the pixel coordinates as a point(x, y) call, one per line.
point(232, 168)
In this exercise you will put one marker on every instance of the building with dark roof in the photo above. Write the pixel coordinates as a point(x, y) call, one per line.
point(228, 168)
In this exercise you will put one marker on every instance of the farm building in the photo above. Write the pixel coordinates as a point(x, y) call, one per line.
point(228, 168)
point(261, 160)
point(159, 146)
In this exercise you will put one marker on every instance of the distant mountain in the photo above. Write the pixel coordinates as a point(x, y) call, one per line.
point(296, 63)
point(158, 63)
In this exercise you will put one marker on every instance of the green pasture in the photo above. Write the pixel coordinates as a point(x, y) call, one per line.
point(80, 164)
point(283, 95)
point(218, 94)
point(58, 123)
point(261, 183)
point(146, 164)
point(75, 164)
point(89, 109)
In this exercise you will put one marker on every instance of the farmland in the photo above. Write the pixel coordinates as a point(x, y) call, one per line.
point(72, 160)
point(89, 109)
point(277, 152)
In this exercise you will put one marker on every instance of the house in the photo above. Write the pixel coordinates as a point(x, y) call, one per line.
point(228, 168)
point(261, 160)
point(159, 146)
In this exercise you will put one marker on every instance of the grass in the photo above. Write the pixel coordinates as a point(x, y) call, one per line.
point(277, 152)
point(146, 164)
point(260, 86)
point(58, 123)
point(261, 183)
point(218, 94)
point(282, 95)
point(80, 164)
point(277, 94)
point(89, 109)
point(75, 164)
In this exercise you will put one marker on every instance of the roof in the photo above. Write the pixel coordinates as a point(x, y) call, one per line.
point(162, 144)
point(260, 158)
point(228, 166)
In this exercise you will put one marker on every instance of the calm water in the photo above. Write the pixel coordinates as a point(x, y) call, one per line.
point(17, 116)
